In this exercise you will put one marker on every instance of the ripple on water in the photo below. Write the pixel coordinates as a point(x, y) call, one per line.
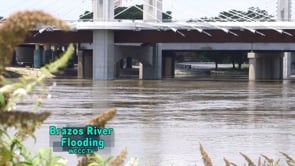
point(163, 122)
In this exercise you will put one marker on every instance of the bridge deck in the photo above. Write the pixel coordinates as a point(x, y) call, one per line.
point(140, 25)
point(154, 36)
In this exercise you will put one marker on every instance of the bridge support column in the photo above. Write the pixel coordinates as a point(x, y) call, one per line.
point(56, 52)
point(264, 66)
point(37, 56)
point(168, 65)
point(85, 64)
point(287, 60)
point(47, 54)
point(153, 71)
point(80, 65)
point(103, 41)
point(103, 55)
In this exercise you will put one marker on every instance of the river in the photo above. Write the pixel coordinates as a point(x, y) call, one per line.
point(163, 122)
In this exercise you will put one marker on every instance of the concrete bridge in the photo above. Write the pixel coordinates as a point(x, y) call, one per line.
point(103, 42)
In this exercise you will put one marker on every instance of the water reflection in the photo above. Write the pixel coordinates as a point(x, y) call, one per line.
point(163, 122)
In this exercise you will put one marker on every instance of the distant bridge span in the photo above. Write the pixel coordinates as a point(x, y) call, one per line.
point(104, 43)
point(154, 36)
point(264, 32)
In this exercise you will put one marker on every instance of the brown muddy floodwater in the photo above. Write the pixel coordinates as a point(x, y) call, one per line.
point(163, 122)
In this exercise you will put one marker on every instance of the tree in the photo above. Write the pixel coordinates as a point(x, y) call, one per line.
point(253, 13)
point(87, 15)
point(132, 13)
point(217, 58)
point(167, 17)
point(241, 59)
point(237, 57)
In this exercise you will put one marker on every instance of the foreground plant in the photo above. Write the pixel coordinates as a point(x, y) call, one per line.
point(14, 30)
point(263, 160)
point(96, 159)
point(12, 151)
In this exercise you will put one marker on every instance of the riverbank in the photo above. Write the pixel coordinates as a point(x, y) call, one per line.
point(197, 69)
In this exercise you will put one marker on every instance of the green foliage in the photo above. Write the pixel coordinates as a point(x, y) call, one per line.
point(17, 126)
point(221, 57)
point(132, 13)
point(47, 158)
point(97, 160)
point(15, 153)
point(86, 16)
point(60, 63)
point(253, 13)
point(2, 100)
point(167, 16)
point(12, 150)
point(25, 123)
point(26, 84)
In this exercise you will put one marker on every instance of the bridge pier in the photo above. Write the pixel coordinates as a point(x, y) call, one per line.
point(37, 56)
point(47, 54)
point(265, 66)
point(284, 14)
point(103, 55)
point(153, 71)
point(80, 64)
point(168, 64)
point(287, 68)
point(103, 42)
point(85, 64)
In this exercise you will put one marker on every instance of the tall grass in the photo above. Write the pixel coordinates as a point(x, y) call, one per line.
point(262, 161)
point(12, 149)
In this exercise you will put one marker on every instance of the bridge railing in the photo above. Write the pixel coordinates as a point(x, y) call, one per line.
point(183, 20)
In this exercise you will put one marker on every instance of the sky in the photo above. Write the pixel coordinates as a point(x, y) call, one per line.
point(181, 9)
